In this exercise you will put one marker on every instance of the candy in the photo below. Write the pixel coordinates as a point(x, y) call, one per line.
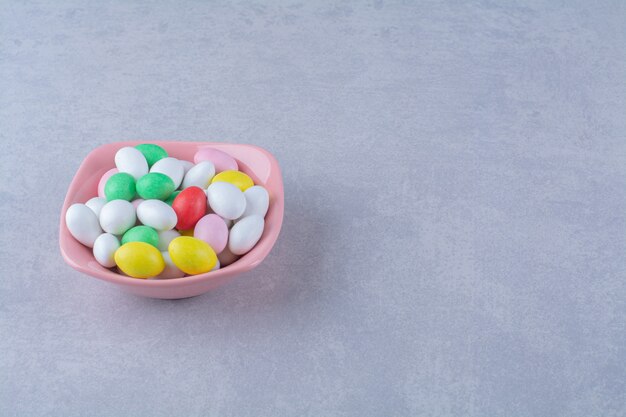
point(155, 186)
point(96, 204)
point(257, 201)
point(141, 234)
point(213, 230)
point(157, 214)
point(120, 186)
point(117, 217)
point(245, 234)
point(191, 255)
point(104, 179)
point(139, 260)
point(171, 167)
point(165, 237)
point(221, 160)
point(226, 200)
point(83, 224)
point(200, 175)
point(104, 249)
point(237, 178)
point(190, 206)
point(151, 152)
point(131, 161)
point(217, 212)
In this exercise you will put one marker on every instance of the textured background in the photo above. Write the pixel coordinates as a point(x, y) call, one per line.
point(455, 233)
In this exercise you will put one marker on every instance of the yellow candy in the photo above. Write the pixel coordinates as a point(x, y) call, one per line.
point(139, 260)
point(192, 256)
point(237, 178)
point(188, 232)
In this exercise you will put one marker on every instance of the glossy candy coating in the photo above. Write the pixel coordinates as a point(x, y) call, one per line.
point(190, 206)
point(120, 186)
point(213, 230)
point(141, 234)
point(83, 224)
point(221, 160)
point(151, 152)
point(139, 260)
point(192, 256)
point(237, 178)
point(155, 185)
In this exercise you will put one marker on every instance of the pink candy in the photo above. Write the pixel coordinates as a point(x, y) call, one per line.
point(213, 230)
point(221, 160)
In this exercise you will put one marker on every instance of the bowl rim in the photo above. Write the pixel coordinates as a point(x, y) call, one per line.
point(259, 251)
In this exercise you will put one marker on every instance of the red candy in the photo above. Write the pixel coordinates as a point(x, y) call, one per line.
point(190, 206)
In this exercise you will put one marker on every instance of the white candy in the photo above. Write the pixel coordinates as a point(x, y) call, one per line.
point(245, 234)
point(257, 201)
point(83, 224)
point(187, 165)
point(104, 249)
point(165, 237)
point(96, 204)
point(157, 214)
point(131, 161)
point(200, 175)
point(117, 216)
point(171, 167)
point(226, 200)
point(171, 270)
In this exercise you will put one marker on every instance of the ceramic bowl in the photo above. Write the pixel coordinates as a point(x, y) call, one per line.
point(254, 161)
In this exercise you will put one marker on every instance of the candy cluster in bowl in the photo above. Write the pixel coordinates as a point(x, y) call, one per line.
point(160, 217)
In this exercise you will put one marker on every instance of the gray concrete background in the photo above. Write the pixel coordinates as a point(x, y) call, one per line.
point(455, 230)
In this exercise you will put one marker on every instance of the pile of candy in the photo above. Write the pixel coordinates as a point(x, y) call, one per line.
point(160, 217)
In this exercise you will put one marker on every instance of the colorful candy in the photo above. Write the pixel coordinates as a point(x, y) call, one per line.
point(120, 186)
point(160, 217)
point(152, 153)
point(141, 234)
point(213, 230)
point(237, 178)
point(155, 185)
point(220, 159)
point(190, 206)
point(191, 255)
point(139, 260)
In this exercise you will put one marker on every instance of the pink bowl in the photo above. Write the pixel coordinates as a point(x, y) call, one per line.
point(254, 161)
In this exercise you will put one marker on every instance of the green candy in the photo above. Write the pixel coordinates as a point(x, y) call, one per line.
point(155, 186)
point(171, 198)
point(141, 234)
point(120, 186)
point(151, 152)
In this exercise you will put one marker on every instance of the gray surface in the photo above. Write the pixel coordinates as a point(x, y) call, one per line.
point(455, 233)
